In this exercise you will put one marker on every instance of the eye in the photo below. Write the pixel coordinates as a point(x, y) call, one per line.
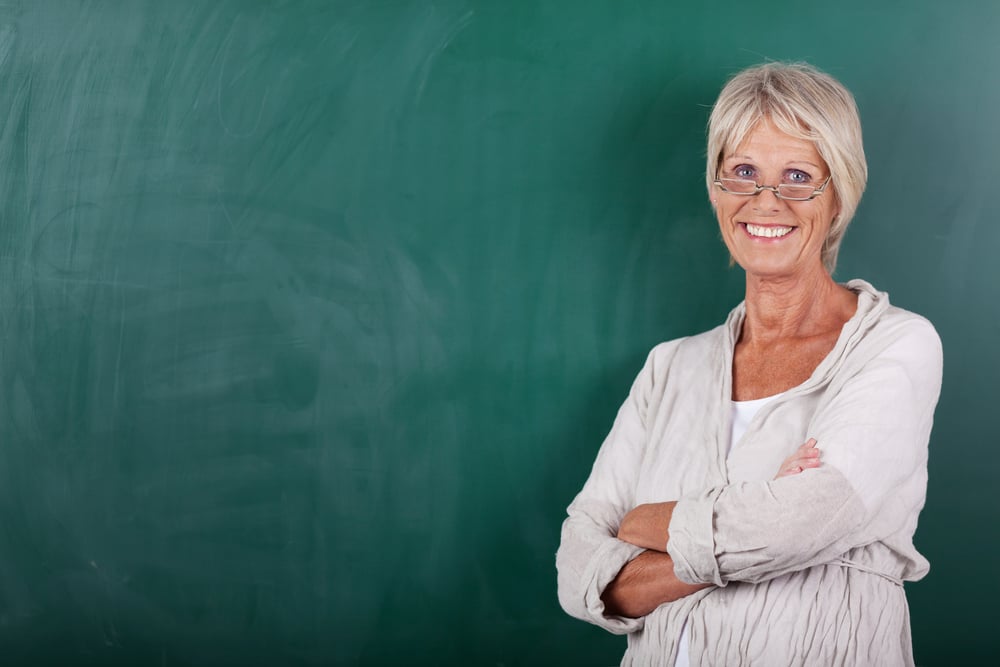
point(797, 176)
point(744, 171)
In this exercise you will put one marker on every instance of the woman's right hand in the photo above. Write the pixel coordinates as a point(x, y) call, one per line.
point(806, 456)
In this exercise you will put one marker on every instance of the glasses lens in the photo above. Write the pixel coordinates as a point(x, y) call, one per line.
point(738, 186)
point(795, 191)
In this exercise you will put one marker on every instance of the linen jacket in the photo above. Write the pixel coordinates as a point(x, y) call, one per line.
point(807, 569)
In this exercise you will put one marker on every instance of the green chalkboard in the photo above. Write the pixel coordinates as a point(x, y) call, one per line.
point(313, 314)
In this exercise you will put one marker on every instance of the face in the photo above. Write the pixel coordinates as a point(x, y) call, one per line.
point(771, 237)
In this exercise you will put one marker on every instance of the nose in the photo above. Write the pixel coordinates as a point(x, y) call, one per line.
point(766, 201)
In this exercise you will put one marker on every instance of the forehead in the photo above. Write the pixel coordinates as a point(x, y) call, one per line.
point(767, 143)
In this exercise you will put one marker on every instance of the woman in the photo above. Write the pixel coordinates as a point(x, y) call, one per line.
point(756, 498)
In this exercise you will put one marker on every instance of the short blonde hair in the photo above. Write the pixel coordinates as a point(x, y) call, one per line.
point(806, 103)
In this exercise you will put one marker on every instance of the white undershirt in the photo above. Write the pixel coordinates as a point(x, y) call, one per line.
point(743, 414)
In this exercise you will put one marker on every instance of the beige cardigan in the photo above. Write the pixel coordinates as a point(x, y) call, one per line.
point(808, 569)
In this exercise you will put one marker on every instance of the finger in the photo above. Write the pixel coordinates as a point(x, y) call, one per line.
point(795, 465)
point(804, 454)
point(811, 460)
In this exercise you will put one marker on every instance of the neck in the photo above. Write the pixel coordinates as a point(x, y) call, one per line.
point(794, 307)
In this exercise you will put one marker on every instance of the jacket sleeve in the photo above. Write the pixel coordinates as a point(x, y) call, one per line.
point(873, 434)
point(589, 555)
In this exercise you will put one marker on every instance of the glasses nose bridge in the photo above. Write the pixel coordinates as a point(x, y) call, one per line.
point(773, 188)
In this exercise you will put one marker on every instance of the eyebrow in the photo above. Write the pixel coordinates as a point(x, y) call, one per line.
point(747, 157)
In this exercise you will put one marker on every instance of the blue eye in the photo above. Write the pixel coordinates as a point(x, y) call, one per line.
point(797, 176)
point(744, 171)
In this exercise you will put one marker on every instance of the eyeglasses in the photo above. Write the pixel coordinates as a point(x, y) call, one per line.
point(789, 191)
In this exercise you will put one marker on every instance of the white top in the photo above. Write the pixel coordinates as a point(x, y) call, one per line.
point(829, 580)
point(743, 414)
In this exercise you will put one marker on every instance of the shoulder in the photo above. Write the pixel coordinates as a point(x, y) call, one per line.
point(903, 327)
point(889, 327)
point(684, 363)
point(903, 334)
point(702, 354)
point(892, 343)
point(688, 348)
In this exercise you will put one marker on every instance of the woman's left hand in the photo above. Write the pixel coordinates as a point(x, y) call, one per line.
point(806, 456)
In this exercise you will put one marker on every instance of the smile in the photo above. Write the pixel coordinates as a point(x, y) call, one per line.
point(770, 232)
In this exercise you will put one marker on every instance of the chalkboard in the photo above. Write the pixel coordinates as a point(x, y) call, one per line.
point(313, 314)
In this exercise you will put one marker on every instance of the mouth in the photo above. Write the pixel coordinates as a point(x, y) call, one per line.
point(766, 231)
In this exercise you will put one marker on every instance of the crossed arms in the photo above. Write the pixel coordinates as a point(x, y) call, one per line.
point(648, 580)
point(618, 561)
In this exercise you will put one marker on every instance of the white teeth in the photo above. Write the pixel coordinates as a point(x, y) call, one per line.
point(768, 232)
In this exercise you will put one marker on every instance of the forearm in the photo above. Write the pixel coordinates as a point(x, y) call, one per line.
point(644, 584)
point(648, 525)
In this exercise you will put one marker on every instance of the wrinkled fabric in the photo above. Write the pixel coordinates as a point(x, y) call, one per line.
point(808, 569)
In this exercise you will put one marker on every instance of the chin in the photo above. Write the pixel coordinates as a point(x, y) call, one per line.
point(765, 269)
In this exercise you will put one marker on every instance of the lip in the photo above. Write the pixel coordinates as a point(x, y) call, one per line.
point(766, 239)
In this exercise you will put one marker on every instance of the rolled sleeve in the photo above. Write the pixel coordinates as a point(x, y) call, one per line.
point(585, 570)
point(692, 539)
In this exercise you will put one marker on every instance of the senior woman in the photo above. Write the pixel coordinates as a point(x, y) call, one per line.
point(756, 498)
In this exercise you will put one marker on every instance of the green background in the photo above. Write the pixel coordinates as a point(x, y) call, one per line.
point(314, 314)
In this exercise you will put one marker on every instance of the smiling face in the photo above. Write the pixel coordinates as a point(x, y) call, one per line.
point(767, 236)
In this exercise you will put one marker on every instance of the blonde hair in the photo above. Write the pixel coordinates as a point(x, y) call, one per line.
point(805, 103)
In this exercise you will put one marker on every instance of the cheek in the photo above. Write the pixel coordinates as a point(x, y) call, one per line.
point(725, 211)
point(721, 216)
point(829, 216)
point(834, 210)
